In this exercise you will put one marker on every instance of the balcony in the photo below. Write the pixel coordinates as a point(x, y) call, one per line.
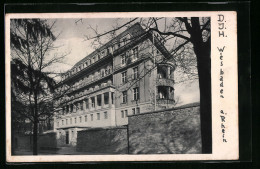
point(164, 82)
point(165, 101)
point(129, 62)
point(91, 90)
point(88, 81)
point(87, 68)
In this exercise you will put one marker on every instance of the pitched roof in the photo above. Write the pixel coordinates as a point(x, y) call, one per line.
point(134, 30)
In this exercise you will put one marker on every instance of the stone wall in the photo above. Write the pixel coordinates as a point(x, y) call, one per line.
point(103, 141)
point(169, 131)
point(47, 141)
point(23, 142)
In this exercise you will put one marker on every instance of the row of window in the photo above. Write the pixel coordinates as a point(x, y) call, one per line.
point(100, 73)
point(89, 78)
point(100, 55)
point(80, 118)
point(124, 113)
point(135, 75)
point(128, 54)
point(136, 95)
point(80, 105)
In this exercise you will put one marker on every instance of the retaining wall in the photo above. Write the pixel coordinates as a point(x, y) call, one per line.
point(163, 132)
point(103, 141)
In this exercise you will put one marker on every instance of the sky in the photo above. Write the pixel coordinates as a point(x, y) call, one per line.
point(72, 43)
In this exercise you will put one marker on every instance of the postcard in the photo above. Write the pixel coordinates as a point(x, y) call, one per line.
point(121, 86)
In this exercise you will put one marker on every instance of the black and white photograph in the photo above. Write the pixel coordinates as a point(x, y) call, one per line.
point(113, 85)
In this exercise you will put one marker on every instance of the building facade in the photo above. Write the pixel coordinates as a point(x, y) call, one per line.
point(132, 73)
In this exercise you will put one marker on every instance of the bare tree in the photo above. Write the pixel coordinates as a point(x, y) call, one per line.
point(32, 40)
point(189, 43)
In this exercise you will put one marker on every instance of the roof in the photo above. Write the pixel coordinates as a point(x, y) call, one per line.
point(138, 30)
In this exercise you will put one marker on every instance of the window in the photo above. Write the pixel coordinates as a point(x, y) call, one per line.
point(103, 53)
point(99, 100)
point(128, 53)
point(66, 121)
point(68, 108)
point(71, 108)
point(93, 102)
point(112, 97)
point(81, 105)
point(86, 118)
point(78, 105)
point(102, 73)
point(124, 77)
point(124, 96)
point(98, 116)
point(58, 124)
point(106, 98)
point(124, 40)
point(86, 104)
point(105, 115)
point(133, 110)
point(91, 117)
point(137, 110)
point(135, 73)
point(80, 119)
point(75, 120)
point(136, 93)
point(62, 122)
point(126, 113)
point(123, 59)
point(70, 120)
point(122, 114)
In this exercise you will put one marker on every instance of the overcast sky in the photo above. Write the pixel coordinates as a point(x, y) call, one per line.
point(72, 40)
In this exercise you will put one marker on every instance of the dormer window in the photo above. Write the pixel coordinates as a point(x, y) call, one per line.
point(135, 53)
point(123, 59)
point(103, 54)
point(123, 75)
point(124, 41)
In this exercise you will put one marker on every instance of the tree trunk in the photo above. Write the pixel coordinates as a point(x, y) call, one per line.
point(204, 72)
point(35, 125)
point(202, 50)
point(35, 135)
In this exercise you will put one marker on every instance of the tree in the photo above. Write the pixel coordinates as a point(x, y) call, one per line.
point(190, 45)
point(32, 84)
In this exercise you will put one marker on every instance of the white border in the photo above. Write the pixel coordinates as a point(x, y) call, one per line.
point(221, 151)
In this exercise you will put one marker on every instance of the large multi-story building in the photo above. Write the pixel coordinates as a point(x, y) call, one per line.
point(131, 74)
